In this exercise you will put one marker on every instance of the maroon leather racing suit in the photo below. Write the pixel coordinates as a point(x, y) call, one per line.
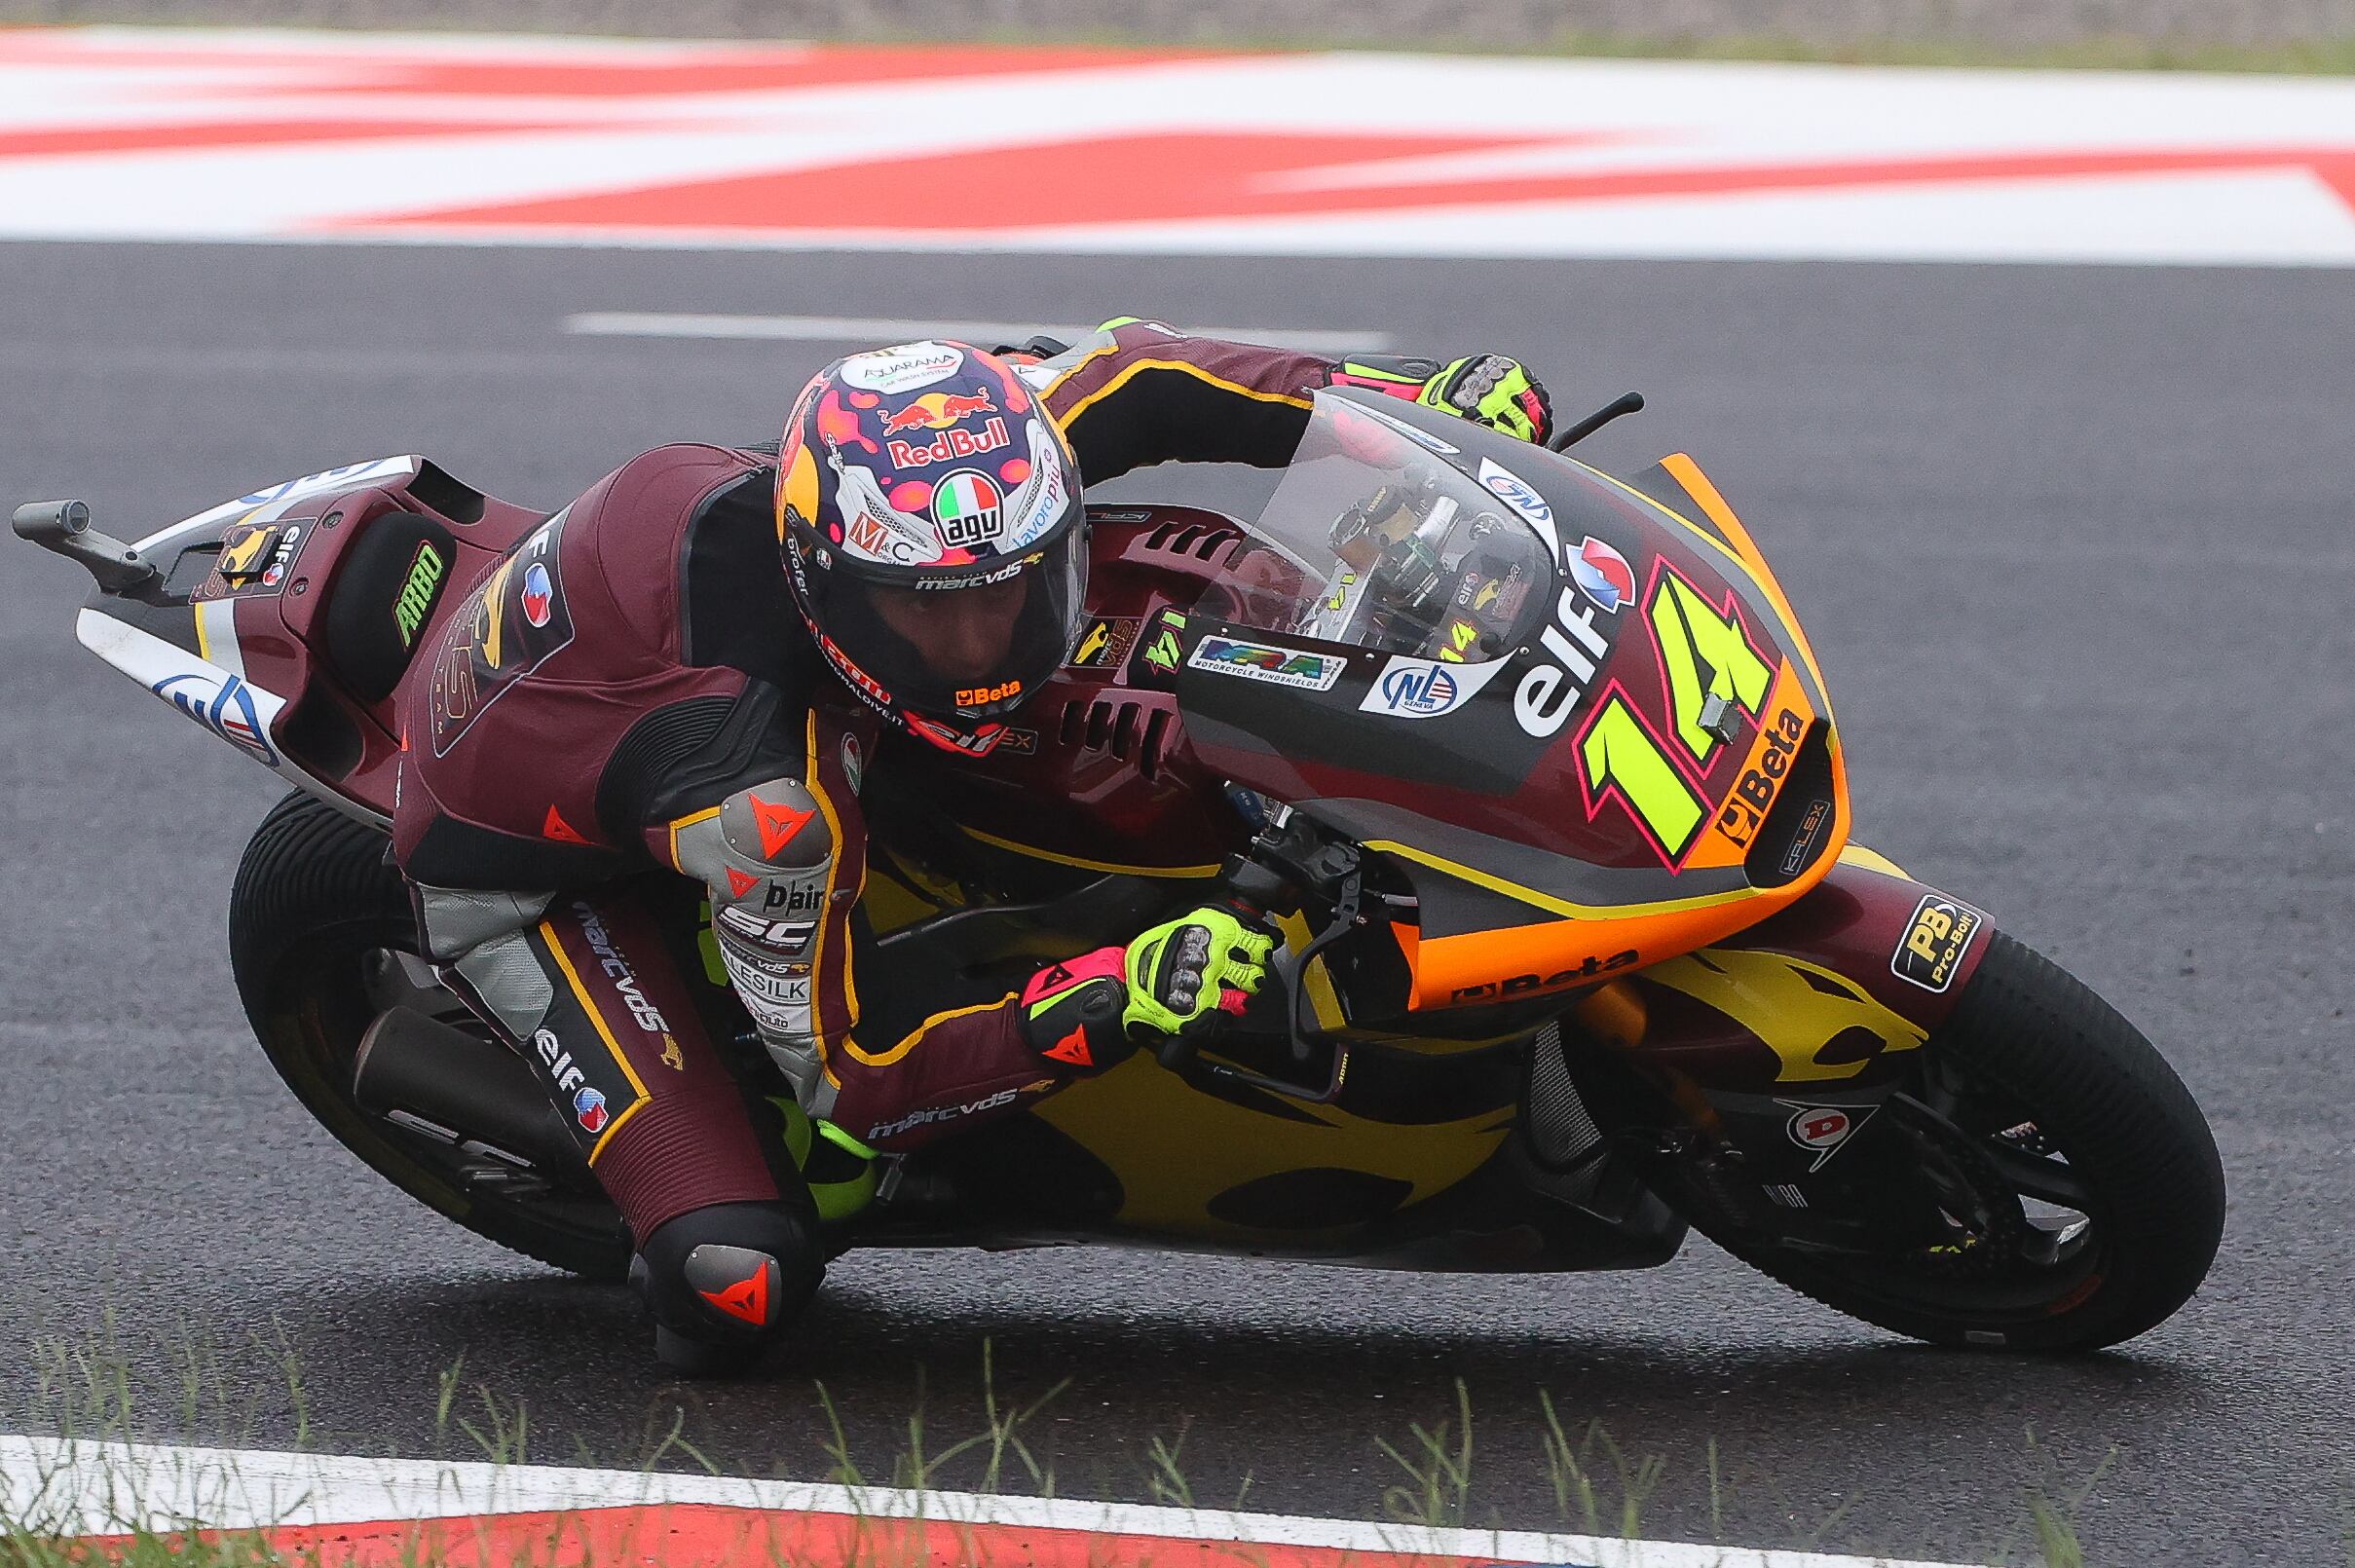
point(630, 698)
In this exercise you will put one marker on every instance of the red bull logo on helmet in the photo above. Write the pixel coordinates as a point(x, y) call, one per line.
point(937, 411)
point(950, 444)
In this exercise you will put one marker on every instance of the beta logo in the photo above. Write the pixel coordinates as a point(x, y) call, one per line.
point(1603, 573)
point(1823, 1130)
point(589, 1109)
point(980, 696)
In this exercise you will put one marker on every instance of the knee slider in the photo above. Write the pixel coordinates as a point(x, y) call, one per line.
point(731, 1271)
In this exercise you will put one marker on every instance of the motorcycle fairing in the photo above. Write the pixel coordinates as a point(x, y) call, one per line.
point(1819, 998)
point(237, 635)
point(1691, 786)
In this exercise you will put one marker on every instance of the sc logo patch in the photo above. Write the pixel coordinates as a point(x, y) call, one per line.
point(1939, 934)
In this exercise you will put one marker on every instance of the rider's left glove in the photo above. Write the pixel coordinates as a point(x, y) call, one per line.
point(1182, 978)
point(1497, 392)
point(1489, 388)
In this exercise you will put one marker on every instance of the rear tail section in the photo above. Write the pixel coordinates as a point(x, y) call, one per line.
point(283, 621)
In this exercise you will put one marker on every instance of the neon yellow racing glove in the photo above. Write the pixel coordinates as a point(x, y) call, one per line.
point(1185, 974)
point(1180, 980)
point(1491, 388)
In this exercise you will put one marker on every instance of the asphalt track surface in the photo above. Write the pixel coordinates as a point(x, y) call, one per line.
point(2075, 546)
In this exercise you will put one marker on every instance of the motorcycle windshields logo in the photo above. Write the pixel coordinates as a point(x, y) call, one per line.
point(511, 623)
point(223, 704)
point(1265, 662)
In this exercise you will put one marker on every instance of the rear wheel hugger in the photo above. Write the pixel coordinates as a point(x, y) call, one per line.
point(313, 896)
point(2130, 1129)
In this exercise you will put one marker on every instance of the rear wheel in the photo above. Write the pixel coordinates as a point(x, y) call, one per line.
point(2063, 1193)
point(323, 941)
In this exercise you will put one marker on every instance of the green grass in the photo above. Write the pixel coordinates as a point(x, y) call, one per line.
point(1426, 1475)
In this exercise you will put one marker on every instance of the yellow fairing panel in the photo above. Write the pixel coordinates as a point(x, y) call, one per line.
point(1176, 1150)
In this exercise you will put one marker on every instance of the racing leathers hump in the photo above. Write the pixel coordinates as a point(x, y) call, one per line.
point(630, 694)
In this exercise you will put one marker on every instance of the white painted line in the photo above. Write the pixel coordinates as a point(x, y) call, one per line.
point(91, 1488)
point(883, 330)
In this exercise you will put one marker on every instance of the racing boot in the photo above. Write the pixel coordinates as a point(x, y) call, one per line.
point(841, 1172)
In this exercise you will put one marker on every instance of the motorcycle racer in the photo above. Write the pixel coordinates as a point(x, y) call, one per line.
point(640, 693)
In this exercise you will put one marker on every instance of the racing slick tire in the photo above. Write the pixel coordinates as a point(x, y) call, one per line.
point(2032, 1047)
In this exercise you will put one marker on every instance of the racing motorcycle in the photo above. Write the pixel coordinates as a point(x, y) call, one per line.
point(1532, 765)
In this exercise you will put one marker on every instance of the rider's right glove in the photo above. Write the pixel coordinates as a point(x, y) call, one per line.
point(1180, 979)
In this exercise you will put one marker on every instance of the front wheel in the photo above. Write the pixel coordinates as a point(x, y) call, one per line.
point(2064, 1192)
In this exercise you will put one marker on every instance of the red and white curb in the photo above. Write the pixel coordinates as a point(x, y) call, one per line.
point(185, 135)
point(396, 1511)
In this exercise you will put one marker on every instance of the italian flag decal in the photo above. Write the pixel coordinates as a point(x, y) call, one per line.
point(968, 506)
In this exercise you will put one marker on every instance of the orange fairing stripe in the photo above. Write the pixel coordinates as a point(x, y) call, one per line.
point(1686, 473)
point(1446, 965)
point(1787, 692)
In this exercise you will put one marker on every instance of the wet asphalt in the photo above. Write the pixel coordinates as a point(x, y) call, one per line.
point(2076, 547)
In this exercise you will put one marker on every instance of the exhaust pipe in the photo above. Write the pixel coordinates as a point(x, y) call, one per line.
point(440, 1082)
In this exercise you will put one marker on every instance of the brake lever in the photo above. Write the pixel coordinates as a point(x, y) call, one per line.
point(1624, 404)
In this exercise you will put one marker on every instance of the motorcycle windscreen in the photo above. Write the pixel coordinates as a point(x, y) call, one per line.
point(1551, 697)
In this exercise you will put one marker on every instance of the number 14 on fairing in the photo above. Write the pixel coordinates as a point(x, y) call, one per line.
point(1707, 661)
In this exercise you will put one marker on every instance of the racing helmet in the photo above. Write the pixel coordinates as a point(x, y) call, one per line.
point(929, 513)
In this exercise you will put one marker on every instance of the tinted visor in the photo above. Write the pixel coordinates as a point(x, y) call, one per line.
point(963, 647)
